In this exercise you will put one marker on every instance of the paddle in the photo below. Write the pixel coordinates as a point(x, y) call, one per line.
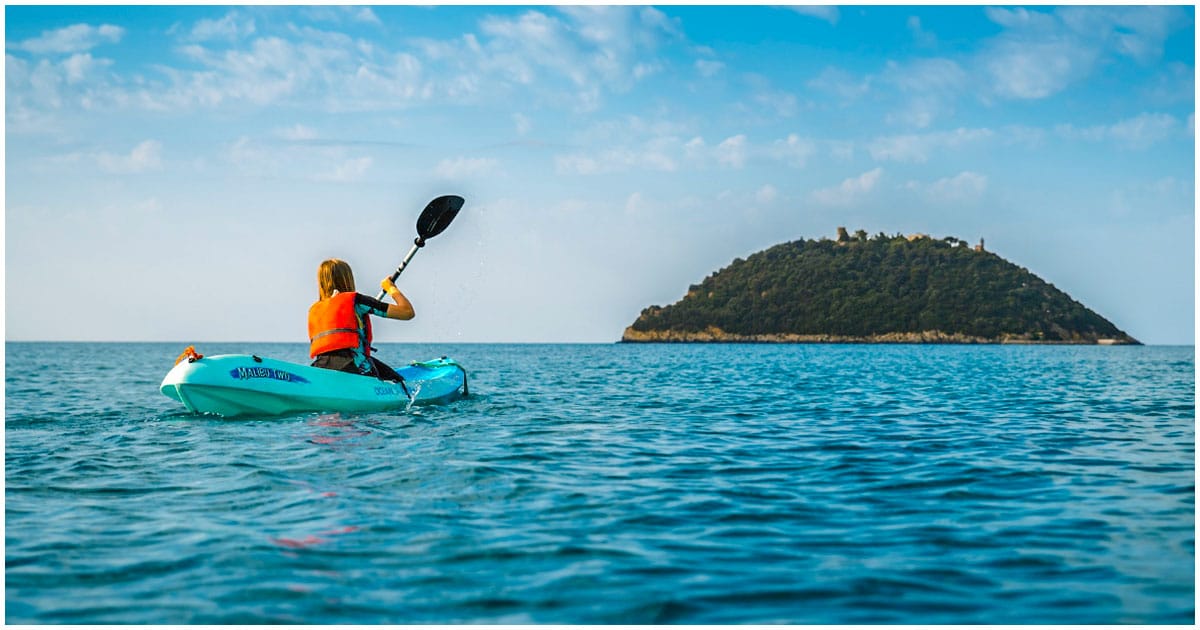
point(433, 220)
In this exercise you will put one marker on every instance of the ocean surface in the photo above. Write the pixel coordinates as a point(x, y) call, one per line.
point(631, 484)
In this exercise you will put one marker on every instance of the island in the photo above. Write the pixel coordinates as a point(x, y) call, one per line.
point(881, 289)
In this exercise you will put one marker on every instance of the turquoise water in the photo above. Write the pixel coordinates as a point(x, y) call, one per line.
point(615, 484)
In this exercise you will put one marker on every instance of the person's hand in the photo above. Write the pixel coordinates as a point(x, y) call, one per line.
point(388, 286)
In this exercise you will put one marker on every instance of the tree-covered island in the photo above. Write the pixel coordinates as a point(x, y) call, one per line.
point(882, 289)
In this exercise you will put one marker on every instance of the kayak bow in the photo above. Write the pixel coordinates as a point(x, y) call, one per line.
point(243, 384)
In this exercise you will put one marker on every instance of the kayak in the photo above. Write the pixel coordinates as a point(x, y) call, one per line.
point(246, 384)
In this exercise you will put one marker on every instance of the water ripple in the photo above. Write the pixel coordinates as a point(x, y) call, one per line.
point(616, 484)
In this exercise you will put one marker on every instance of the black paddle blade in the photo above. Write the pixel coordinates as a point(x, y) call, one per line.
point(438, 215)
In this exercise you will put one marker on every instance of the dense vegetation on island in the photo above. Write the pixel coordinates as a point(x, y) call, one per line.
point(885, 288)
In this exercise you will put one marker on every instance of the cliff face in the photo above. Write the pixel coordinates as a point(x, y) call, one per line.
point(874, 290)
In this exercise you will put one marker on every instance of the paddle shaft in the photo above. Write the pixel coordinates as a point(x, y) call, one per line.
point(403, 263)
point(434, 218)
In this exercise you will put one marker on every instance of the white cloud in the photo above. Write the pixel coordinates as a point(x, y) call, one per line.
point(268, 70)
point(365, 15)
point(573, 57)
point(709, 68)
point(842, 149)
point(231, 27)
point(71, 39)
point(840, 83)
point(1022, 19)
point(299, 161)
point(1145, 199)
point(249, 157)
point(1037, 54)
point(592, 48)
point(794, 150)
point(580, 164)
point(767, 194)
point(643, 70)
point(1040, 54)
point(735, 151)
point(1034, 70)
point(81, 66)
point(624, 144)
point(1144, 130)
point(962, 188)
point(917, 148)
point(851, 189)
point(347, 171)
point(149, 206)
point(926, 75)
point(341, 14)
point(1170, 185)
point(1137, 32)
point(331, 73)
point(658, 22)
point(829, 13)
point(906, 148)
point(635, 204)
point(665, 149)
point(1034, 57)
point(616, 160)
point(921, 36)
point(695, 149)
point(930, 88)
point(523, 124)
point(919, 113)
point(297, 133)
point(732, 151)
point(146, 156)
point(464, 167)
point(519, 46)
point(780, 102)
point(1029, 137)
point(924, 88)
point(1139, 132)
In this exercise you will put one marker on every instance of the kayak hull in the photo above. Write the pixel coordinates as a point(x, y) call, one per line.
point(242, 384)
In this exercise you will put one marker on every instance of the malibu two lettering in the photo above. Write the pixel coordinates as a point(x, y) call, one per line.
point(246, 373)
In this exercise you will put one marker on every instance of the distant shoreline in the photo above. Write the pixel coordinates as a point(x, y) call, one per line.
point(935, 337)
point(183, 344)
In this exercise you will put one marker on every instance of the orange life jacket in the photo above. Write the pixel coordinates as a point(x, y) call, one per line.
point(333, 325)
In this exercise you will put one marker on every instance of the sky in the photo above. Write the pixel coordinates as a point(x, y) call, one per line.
point(178, 173)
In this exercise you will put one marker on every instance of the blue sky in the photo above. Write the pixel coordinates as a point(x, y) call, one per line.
point(177, 173)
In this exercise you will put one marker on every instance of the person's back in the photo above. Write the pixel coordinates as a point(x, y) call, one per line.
point(339, 325)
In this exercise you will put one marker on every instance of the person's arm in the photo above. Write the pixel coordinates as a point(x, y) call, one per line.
point(402, 309)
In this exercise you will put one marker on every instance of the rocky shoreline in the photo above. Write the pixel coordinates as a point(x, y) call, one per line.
point(712, 334)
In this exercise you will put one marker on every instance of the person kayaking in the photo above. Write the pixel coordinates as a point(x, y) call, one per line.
point(339, 328)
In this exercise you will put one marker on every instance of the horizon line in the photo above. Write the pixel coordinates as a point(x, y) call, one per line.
point(615, 342)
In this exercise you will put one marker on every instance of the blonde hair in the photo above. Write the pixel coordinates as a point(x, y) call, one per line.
point(334, 275)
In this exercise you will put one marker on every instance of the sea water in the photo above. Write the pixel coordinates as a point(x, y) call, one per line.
point(639, 484)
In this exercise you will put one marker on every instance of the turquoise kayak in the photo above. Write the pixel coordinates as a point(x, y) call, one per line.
point(244, 384)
